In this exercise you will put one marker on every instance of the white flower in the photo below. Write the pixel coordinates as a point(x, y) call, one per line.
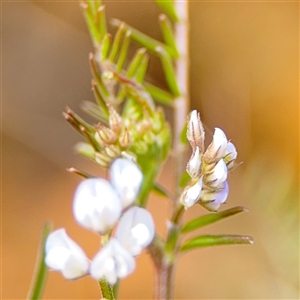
point(217, 175)
point(194, 165)
point(112, 262)
point(217, 148)
point(191, 194)
point(126, 178)
point(213, 200)
point(96, 205)
point(63, 254)
point(135, 230)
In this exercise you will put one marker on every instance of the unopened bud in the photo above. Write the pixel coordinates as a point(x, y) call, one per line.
point(102, 159)
point(115, 120)
point(104, 135)
point(195, 131)
point(112, 151)
point(124, 139)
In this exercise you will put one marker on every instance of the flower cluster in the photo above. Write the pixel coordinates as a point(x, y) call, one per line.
point(208, 169)
point(106, 208)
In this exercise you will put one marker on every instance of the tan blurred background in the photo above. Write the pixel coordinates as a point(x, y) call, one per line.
point(244, 79)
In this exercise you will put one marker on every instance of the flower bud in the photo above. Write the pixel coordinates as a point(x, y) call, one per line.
point(126, 179)
point(125, 139)
point(194, 165)
point(217, 148)
point(191, 194)
point(112, 262)
point(217, 175)
point(115, 120)
point(135, 230)
point(212, 200)
point(104, 135)
point(64, 255)
point(195, 131)
point(96, 205)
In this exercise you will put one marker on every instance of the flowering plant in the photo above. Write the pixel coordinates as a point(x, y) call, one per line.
point(132, 139)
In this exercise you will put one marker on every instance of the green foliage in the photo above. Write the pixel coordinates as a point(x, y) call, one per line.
point(211, 218)
point(215, 240)
point(40, 275)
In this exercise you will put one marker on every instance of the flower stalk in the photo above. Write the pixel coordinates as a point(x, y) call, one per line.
point(132, 139)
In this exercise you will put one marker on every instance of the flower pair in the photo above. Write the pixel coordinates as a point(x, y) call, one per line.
point(99, 205)
point(208, 169)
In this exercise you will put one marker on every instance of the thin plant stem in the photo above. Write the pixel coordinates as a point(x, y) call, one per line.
point(165, 269)
point(181, 103)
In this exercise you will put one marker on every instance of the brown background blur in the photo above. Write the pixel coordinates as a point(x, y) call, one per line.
point(244, 79)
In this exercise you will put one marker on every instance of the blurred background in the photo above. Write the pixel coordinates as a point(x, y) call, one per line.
point(244, 79)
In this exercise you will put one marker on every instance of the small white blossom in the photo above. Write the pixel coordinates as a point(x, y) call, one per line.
point(194, 165)
point(217, 175)
point(126, 178)
point(113, 261)
point(96, 205)
point(63, 254)
point(213, 200)
point(135, 230)
point(191, 194)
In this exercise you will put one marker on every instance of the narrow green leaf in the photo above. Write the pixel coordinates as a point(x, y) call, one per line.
point(169, 70)
point(167, 32)
point(100, 20)
point(142, 69)
point(169, 8)
point(90, 21)
point(94, 111)
point(102, 88)
point(160, 95)
point(215, 240)
point(105, 47)
point(135, 62)
point(143, 39)
point(40, 274)
point(123, 52)
point(100, 101)
point(116, 43)
point(92, 6)
point(211, 218)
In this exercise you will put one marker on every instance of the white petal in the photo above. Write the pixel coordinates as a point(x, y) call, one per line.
point(126, 178)
point(217, 148)
point(112, 262)
point(63, 254)
point(191, 194)
point(194, 164)
point(96, 205)
point(135, 230)
point(218, 174)
point(213, 200)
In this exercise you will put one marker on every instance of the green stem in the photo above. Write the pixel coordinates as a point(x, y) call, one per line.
point(106, 290)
